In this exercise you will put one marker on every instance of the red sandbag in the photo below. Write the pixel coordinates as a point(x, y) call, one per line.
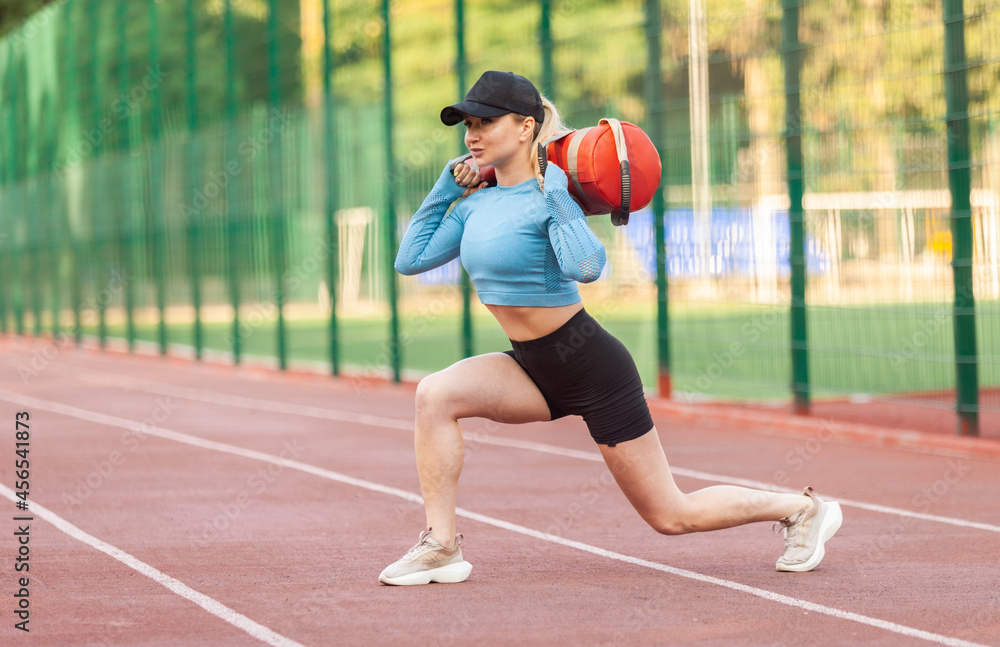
point(612, 167)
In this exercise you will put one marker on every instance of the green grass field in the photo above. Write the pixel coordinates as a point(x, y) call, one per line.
point(716, 351)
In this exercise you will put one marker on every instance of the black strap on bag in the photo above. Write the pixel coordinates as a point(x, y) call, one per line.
point(620, 216)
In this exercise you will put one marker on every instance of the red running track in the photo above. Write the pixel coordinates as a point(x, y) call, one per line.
point(176, 503)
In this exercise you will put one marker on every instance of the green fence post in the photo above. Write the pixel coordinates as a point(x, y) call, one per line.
point(32, 195)
point(654, 103)
point(14, 258)
point(7, 145)
point(545, 38)
point(461, 70)
point(7, 229)
point(158, 227)
point(75, 288)
point(4, 242)
point(960, 185)
point(126, 228)
point(34, 214)
point(43, 253)
point(232, 216)
point(97, 260)
point(193, 217)
point(275, 194)
point(74, 254)
point(60, 231)
point(54, 229)
point(395, 354)
point(20, 215)
point(791, 57)
point(332, 187)
point(18, 211)
point(48, 258)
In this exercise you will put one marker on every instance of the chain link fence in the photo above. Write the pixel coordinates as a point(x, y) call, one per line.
point(231, 177)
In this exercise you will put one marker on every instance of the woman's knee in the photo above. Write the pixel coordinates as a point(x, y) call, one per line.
point(434, 396)
point(679, 520)
point(672, 526)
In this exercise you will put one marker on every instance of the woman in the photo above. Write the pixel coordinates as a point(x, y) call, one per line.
point(525, 244)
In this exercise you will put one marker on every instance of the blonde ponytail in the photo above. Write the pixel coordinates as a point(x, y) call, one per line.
point(552, 126)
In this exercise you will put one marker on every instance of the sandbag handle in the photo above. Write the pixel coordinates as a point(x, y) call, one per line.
point(620, 216)
point(543, 159)
point(543, 153)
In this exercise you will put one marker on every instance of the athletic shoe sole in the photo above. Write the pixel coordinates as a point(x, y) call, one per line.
point(450, 574)
point(828, 528)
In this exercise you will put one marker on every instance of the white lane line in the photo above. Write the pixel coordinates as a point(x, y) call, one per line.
point(239, 401)
point(735, 586)
point(113, 421)
point(216, 608)
point(211, 397)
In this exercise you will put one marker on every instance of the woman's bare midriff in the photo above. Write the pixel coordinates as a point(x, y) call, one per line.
point(522, 323)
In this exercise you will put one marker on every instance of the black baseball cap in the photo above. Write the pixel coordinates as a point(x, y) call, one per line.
point(495, 94)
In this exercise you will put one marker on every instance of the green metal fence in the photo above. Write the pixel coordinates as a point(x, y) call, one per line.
point(230, 177)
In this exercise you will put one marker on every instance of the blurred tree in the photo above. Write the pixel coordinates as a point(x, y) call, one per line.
point(871, 84)
point(14, 12)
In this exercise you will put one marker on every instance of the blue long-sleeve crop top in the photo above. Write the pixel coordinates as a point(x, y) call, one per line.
point(520, 246)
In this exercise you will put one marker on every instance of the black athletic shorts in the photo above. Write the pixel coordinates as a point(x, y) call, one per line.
point(582, 370)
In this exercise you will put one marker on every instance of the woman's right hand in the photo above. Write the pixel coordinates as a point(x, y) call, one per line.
point(468, 177)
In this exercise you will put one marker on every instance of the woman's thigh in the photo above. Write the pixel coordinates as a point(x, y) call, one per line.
point(641, 470)
point(492, 386)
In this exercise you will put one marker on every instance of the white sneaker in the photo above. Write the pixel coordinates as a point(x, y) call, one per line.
point(428, 562)
point(806, 533)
